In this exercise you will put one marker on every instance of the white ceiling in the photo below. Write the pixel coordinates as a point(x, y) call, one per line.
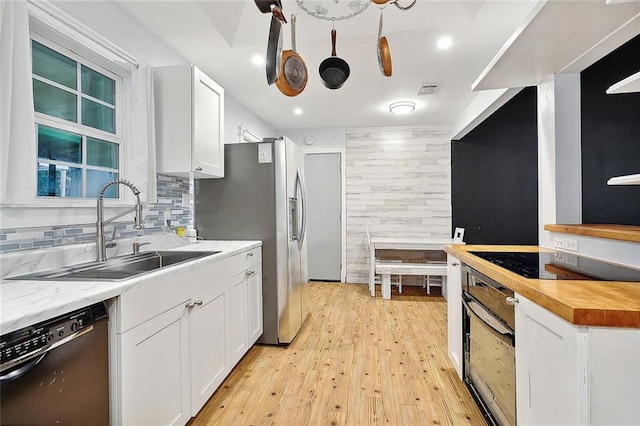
point(221, 36)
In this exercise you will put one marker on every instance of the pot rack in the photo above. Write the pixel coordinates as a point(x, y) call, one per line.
point(338, 10)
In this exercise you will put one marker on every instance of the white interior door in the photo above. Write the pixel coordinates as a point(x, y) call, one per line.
point(323, 181)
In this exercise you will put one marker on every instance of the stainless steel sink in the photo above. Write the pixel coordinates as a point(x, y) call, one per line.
point(117, 268)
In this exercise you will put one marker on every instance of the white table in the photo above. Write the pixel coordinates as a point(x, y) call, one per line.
point(402, 243)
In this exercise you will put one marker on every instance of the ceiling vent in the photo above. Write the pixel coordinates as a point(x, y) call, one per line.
point(427, 89)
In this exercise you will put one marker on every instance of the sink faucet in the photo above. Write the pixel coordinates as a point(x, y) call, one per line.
point(101, 250)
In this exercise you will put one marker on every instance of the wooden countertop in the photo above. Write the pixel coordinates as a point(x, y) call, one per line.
point(581, 302)
point(612, 232)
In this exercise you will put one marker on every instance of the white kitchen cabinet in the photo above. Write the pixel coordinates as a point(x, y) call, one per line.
point(154, 371)
point(550, 371)
point(567, 374)
point(246, 298)
point(189, 122)
point(454, 312)
point(209, 326)
point(180, 335)
point(254, 303)
point(238, 321)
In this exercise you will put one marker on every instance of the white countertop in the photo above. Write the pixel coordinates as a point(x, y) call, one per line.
point(23, 303)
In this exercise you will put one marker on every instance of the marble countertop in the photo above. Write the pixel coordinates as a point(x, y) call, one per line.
point(580, 302)
point(23, 303)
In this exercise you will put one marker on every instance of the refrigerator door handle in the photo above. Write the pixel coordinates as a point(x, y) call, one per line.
point(303, 199)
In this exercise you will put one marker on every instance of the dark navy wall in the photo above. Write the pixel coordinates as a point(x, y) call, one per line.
point(494, 176)
point(610, 139)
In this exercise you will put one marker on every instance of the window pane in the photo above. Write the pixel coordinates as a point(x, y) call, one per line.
point(95, 180)
point(52, 65)
point(102, 153)
point(59, 181)
point(98, 116)
point(54, 102)
point(98, 86)
point(58, 145)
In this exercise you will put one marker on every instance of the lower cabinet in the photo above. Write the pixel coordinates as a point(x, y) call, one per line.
point(569, 375)
point(154, 371)
point(550, 374)
point(209, 323)
point(180, 337)
point(454, 312)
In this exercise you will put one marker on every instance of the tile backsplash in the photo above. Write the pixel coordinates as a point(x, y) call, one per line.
point(172, 191)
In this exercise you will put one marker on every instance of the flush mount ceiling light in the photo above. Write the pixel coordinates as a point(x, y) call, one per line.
point(444, 43)
point(402, 107)
point(257, 60)
point(297, 111)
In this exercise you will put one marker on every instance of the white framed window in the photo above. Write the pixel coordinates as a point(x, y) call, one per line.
point(77, 119)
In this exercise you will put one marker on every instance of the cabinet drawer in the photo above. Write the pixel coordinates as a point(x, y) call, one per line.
point(167, 291)
point(241, 261)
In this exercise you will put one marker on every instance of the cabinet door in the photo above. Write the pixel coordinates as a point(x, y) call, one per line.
point(208, 120)
point(550, 374)
point(155, 371)
point(254, 303)
point(238, 328)
point(209, 339)
point(454, 312)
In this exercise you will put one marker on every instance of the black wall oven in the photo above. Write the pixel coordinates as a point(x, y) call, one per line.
point(489, 367)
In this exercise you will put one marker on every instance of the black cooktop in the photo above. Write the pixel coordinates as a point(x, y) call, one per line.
point(559, 266)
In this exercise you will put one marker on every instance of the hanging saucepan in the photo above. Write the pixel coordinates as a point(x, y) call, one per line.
point(265, 5)
point(293, 72)
point(384, 53)
point(334, 71)
point(394, 2)
point(274, 48)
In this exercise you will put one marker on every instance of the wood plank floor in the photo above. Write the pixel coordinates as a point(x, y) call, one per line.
point(357, 360)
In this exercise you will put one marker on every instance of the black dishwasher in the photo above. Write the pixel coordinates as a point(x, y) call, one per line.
point(56, 372)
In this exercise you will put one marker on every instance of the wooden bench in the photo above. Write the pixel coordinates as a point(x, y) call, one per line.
point(387, 269)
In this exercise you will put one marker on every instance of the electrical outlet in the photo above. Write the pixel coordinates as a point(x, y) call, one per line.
point(185, 200)
point(558, 242)
point(571, 244)
point(558, 257)
point(167, 217)
point(572, 260)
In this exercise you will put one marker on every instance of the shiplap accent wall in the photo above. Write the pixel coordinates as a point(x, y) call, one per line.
point(398, 184)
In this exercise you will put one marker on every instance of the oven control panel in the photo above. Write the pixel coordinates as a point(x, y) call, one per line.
point(23, 344)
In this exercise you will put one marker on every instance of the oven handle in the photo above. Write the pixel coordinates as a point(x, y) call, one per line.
point(487, 317)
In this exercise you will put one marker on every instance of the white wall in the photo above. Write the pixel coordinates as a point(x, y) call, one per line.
point(236, 116)
point(321, 137)
point(398, 184)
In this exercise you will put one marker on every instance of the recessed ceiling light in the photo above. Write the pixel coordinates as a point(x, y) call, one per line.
point(257, 60)
point(402, 107)
point(444, 43)
point(297, 111)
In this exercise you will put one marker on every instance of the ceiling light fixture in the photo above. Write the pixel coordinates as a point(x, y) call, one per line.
point(444, 43)
point(402, 107)
point(297, 111)
point(257, 60)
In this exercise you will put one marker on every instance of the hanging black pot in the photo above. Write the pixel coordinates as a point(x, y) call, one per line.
point(334, 71)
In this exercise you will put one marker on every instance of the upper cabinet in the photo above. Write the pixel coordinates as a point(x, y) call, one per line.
point(189, 122)
point(560, 37)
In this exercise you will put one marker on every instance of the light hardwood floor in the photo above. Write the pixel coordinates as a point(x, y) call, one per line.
point(357, 360)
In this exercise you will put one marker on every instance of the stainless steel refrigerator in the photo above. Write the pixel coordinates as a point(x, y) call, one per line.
point(261, 197)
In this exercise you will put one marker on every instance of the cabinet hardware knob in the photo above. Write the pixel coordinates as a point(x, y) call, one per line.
point(250, 254)
point(198, 302)
point(198, 169)
point(455, 263)
point(190, 305)
point(511, 300)
point(249, 273)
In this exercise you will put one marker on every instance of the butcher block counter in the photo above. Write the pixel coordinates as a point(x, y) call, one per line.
point(580, 302)
point(612, 232)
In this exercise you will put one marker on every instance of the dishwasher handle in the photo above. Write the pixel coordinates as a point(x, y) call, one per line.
point(24, 369)
point(30, 361)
